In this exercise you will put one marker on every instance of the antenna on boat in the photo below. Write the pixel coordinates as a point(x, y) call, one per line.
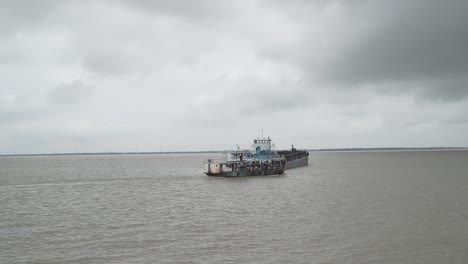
point(262, 132)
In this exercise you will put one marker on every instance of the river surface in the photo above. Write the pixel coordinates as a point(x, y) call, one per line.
point(345, 207)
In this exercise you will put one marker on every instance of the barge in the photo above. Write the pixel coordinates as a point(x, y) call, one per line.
point(260, 160)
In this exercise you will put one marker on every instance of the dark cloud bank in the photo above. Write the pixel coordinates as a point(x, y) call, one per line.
point(412, 41)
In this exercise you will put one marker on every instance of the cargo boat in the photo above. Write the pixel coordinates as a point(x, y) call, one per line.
point(260, 160)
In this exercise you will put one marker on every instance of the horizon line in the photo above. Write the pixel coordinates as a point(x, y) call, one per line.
point(221, 151)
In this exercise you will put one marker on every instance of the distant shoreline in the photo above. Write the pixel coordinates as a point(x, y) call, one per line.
point(388, 149)
point(109, 153)
point(219, 151)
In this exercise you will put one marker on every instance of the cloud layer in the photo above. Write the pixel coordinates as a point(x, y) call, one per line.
point(198, 75)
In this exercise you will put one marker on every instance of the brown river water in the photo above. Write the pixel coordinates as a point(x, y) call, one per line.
point(345, 207)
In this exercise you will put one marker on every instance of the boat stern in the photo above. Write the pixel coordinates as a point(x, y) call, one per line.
point(212, 168)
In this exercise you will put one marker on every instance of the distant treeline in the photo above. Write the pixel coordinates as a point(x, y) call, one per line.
point(390, 149)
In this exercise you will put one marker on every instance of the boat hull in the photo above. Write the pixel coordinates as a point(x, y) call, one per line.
point(252, 168)
point(245, 173)
point(295, 158)
point(304, 161)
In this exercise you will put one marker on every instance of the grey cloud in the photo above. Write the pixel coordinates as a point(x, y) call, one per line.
point(299, 6)
point(249, 96)
point(422, 39)
point(10, 117)
point(272, 99)
point(16, 15)
point(111, 63)
point(8, 109)
point(385, 41)
point(9, 55)
point(69, 93)
point(446, 90)
point(187, 9)
point(16, 108)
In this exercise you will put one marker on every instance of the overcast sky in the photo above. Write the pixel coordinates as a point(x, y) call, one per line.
point(144, 75)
